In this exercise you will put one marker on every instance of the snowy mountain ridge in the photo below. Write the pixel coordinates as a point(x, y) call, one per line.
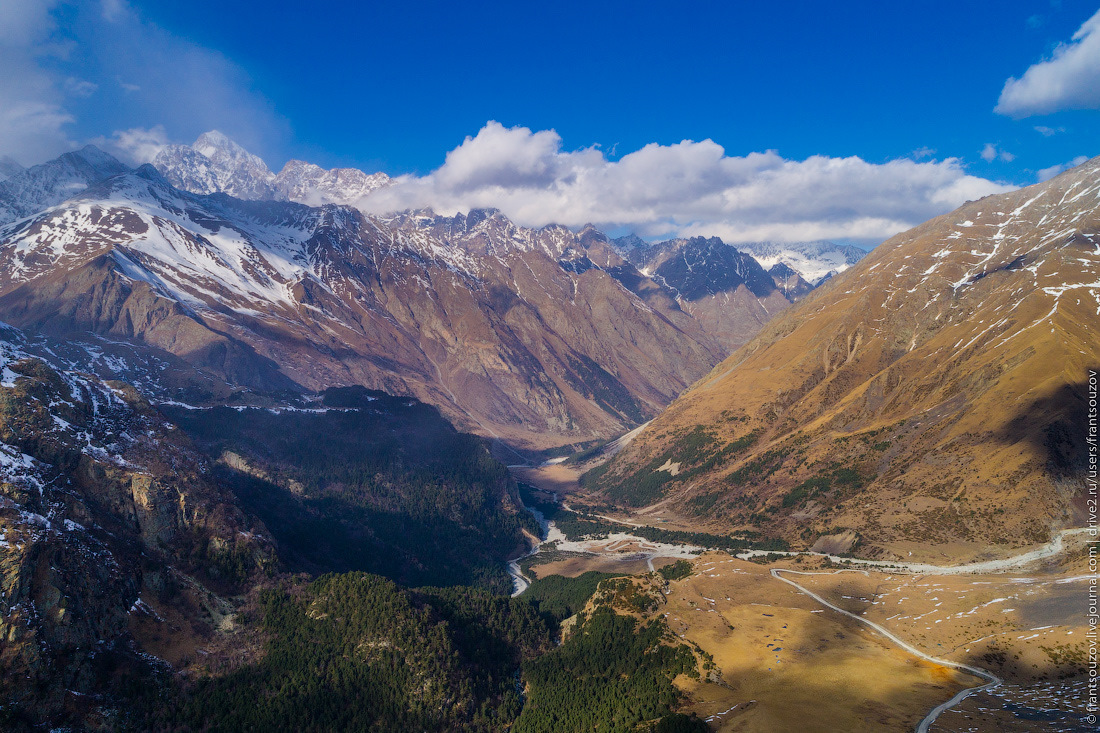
point(311, 184)
point(814, 261)
point(28, 191)
point(505, 329)
point(190, 247)
point(216, 164)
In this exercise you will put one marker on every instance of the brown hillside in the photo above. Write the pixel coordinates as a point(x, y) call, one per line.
point(932, 395)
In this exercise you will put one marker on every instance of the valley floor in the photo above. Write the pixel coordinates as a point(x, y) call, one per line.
point(788, 662)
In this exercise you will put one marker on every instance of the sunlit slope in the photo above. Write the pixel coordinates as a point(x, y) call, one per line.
point(933, 394)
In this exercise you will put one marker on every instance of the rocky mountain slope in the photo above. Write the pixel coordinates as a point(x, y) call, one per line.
point(711, 288)
point(929, 400)
point(727, 291)
point(102, 504)
point(132, 548)
point(524, 338)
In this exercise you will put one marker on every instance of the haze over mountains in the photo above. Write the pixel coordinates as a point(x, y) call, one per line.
point(929, 397)
point(540, 337)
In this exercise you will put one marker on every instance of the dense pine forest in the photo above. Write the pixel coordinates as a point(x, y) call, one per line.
point(612, 674)
point(404, 524)
point(357, 652)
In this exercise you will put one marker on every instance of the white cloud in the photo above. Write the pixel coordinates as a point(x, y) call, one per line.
point(112, 10)
point(991, 152)
point(56, 55)
point(136, 145)
point(686, 188)
point(33, 118)
point(1069, 79)
point(1048, 131)
point(921, 153)
point(1047, 173)
point(163, 79)
point(80, 87)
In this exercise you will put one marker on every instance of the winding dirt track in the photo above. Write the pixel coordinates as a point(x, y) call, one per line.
point(992, 680)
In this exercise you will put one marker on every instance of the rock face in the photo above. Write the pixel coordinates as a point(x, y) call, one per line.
point(789, 282)
point(131, 535)
point(99, 501)
point(927, 396)
point(725, 290)
point(515, 333)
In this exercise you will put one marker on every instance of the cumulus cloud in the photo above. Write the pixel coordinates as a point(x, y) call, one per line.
point(1047, 173)
point(1069, 79)
point(684, 189)
point(80, 87)
point(129, 76)
point(991, 152)
point(135, 146)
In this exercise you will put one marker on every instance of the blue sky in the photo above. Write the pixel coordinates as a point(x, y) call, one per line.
point(396, 86)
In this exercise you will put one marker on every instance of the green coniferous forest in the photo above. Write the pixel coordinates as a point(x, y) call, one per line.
point(612, 674)
point(357, 652)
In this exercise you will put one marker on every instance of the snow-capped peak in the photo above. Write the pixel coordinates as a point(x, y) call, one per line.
point(29, 191)
point(219, 148)
point(814, 261)
point(216, 164)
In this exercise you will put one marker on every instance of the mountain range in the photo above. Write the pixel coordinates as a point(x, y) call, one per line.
point(236, 412)
point(540, 337)
point(216, 164)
